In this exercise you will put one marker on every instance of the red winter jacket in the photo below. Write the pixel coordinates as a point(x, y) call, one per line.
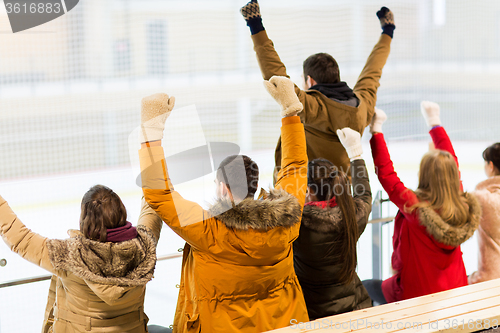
point(427, 255)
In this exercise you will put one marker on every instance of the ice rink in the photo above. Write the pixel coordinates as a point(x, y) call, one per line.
point(50, 206)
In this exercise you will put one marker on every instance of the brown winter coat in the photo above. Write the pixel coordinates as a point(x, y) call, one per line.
point(488, 233)
point(237, 269)
point(322, 117)
point(97, 287)
point(315, 253)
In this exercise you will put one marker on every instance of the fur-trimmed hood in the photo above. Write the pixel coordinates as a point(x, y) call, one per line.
point(278, 208)
point(329, 219)
point(491, 184)
point(125, 264)
point(446, 233)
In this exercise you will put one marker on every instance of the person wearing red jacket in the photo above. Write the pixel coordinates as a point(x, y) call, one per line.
point(431, 222)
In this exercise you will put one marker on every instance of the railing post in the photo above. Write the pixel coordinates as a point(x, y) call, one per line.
point(377, 238)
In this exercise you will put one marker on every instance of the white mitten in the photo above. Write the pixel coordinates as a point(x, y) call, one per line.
point(430, 111)
point(378, 119)
point(351, 140)
point(282, 90)
point(154, 112)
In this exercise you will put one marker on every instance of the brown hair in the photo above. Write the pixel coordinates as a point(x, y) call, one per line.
point(102, 209)
point(492, 154)
point(328, 182)
point(322, 67)
point(439, 188)
point(230, 172)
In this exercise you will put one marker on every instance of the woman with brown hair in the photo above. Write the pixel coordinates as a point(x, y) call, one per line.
point(488, 232)
point(332, 222)
point(100, 273)
point(432, 221)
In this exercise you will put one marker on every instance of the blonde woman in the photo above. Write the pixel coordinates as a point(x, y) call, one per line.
point(488, 194)
point(432, 221)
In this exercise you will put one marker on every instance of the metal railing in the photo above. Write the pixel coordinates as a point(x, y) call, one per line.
point(48, 277)
point(377, 222)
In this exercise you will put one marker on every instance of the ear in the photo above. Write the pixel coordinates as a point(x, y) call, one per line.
point(223, 190)
point(310, 82)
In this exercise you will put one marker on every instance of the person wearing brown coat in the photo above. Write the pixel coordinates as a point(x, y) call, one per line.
point(488, 232)
point(100, 273)
point(329, 104)
point(332, 222)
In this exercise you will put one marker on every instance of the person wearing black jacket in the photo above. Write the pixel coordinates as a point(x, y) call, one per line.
point(332, 222)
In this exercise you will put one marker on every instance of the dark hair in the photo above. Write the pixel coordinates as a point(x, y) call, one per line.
point(231, 173)
point(102, 209)
point(322, 67)
point(492, 154)
point(328, 182)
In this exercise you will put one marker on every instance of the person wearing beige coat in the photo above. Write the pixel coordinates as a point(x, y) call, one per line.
point(97, 285)
point(488, 233)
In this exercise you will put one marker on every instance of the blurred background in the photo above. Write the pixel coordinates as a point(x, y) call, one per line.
point(70, 94)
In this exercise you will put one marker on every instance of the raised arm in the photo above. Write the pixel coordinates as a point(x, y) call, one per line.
point(293, 174)
point(188, 219)
point(351, 140)
point(401, 196)
point(150, 219)
point(269, 61)
point(368, 82)
point(431, 112)
point(21, 240)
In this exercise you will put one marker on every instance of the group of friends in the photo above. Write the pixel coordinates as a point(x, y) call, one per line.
point(255, 264)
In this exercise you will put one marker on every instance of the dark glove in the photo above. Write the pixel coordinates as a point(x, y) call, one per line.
point(386, 21)
point(251, 13)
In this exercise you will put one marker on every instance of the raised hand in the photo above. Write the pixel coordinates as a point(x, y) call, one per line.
point(378, 119)
point(430, 111)
point(155, 110)
point(282, 90)
point(351, 140)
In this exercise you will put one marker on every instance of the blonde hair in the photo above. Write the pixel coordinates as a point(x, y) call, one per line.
point(439, 188)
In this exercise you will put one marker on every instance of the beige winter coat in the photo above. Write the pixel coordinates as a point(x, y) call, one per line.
point(97, 287)
point(488, 233)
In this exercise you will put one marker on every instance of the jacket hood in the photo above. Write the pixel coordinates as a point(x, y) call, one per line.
point(109, 269)
point(277, 209)
point(446, 233)
point(491, 184)
point(329, 219)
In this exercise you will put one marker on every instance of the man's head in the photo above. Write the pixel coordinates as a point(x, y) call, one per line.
point(320, 68)
point(237, 177)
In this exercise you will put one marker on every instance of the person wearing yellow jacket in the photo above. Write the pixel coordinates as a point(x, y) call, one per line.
point(237, 269)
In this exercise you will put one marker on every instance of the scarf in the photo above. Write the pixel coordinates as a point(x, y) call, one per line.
point(339, 90)
point(121, 234)
point(322, 204)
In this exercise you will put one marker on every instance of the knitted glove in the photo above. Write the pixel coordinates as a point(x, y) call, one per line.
point(282, 90)
point(155, 110)
point(351, 140)
point(378, 119)
point(430, 111)
point(386, 21)
point(251, 13)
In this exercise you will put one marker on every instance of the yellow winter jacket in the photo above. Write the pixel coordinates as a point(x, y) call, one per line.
point(96, 287)
point(237, 270)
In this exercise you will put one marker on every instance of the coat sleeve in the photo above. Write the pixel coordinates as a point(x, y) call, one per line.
point(401, 196)
point(368, 82)
point(442, 141)
point(186, 218)
point(21, 240)
point(150, 219)
point(270, 64)
point(292, 176)
point(362, 193)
